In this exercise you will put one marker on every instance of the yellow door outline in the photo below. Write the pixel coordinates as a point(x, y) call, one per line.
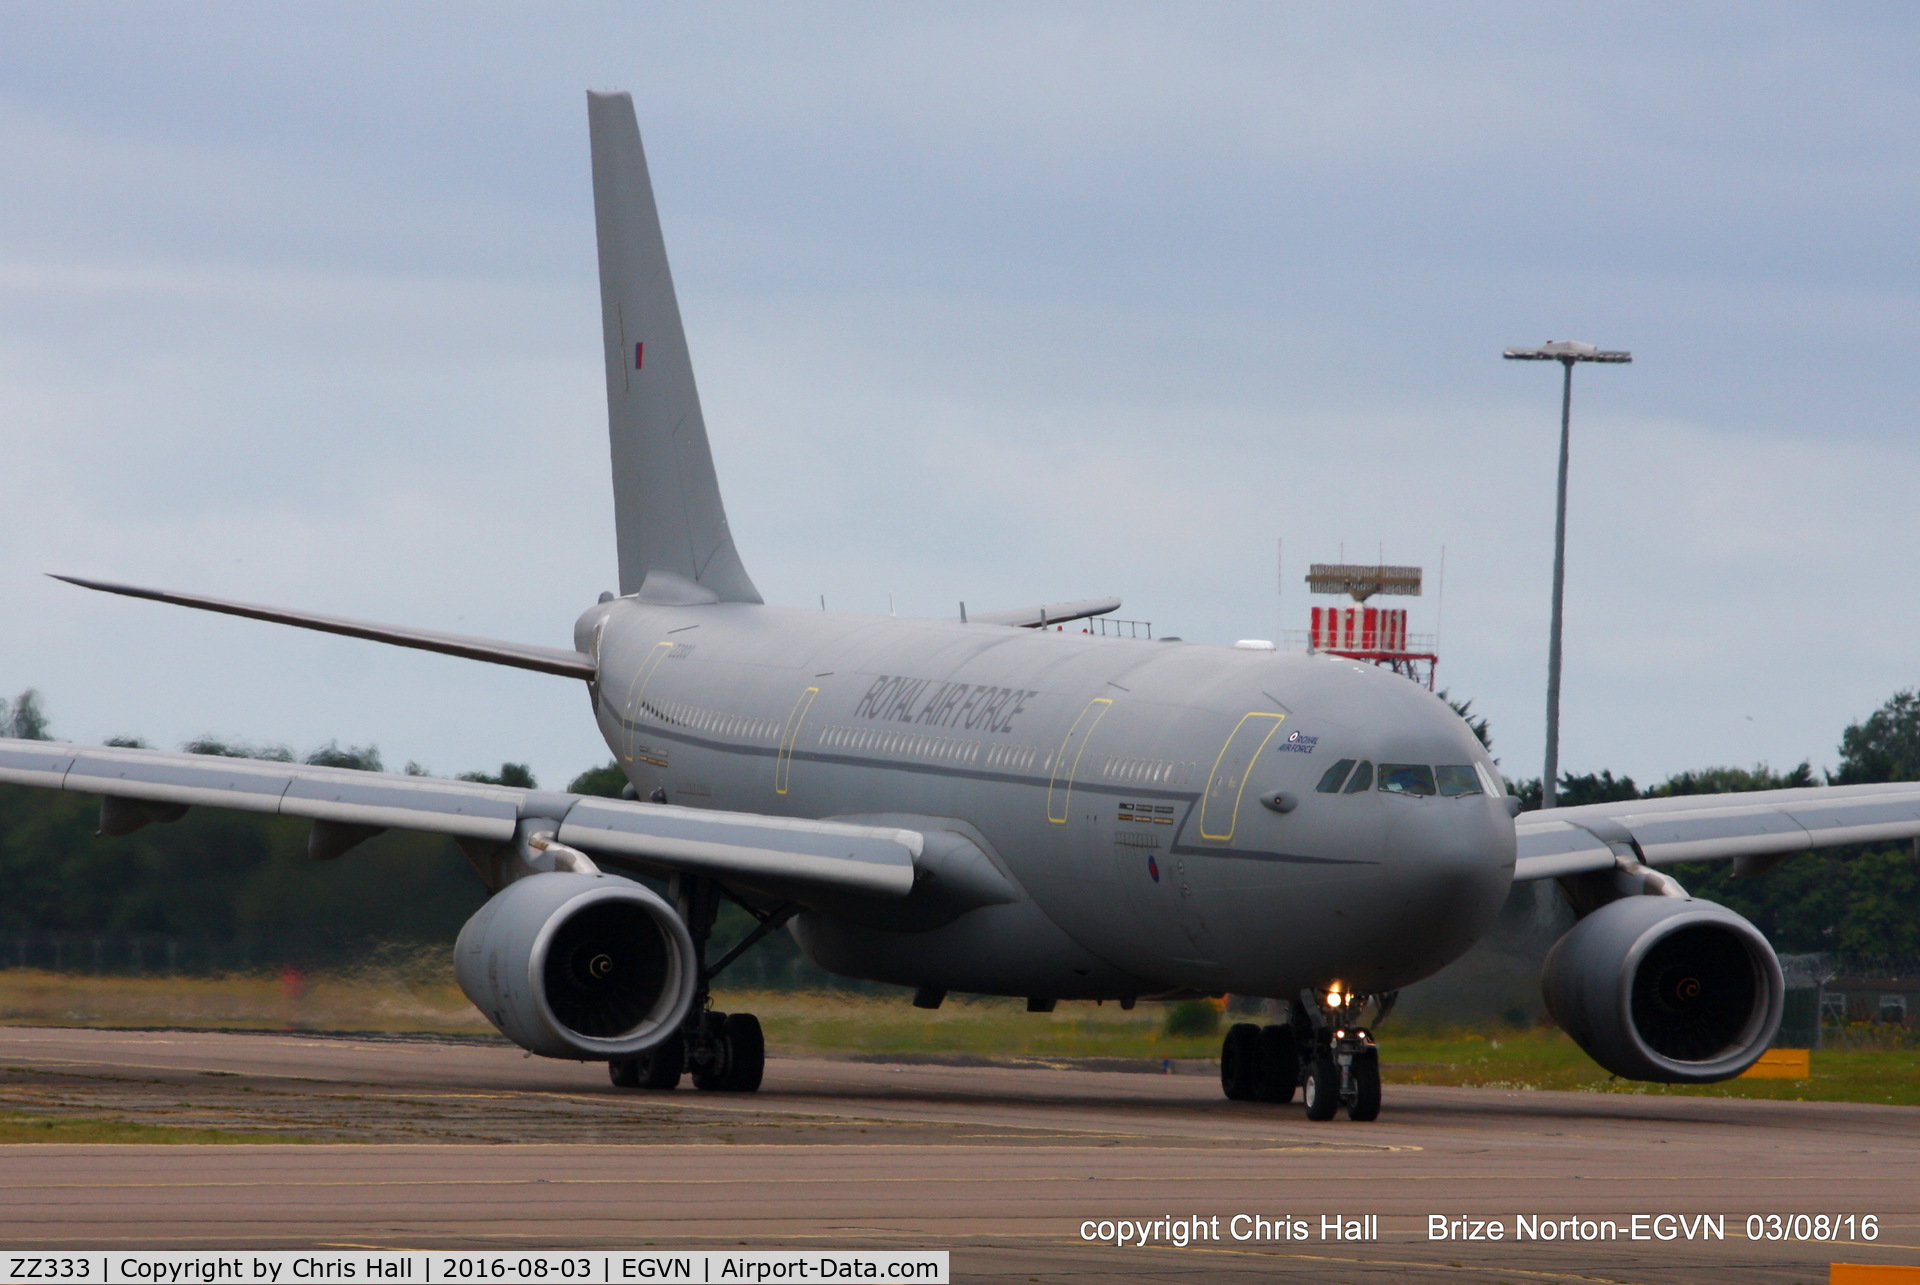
point(637, 688)
point(1059, 816)
point(783, 764)
point(1210, 806)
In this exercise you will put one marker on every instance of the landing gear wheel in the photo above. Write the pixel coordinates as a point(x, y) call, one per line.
point(1279, 1063)
point(746, 1052)
point(710, 1061)
point(1322, 1095)
point(660, 1066)
point(624, 1072)
point(1366, 1087)
point(1240, 1062)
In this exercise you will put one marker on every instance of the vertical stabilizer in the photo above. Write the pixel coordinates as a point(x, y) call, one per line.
point(666, 500)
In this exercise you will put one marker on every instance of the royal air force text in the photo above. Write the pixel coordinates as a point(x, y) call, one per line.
point(924, 703)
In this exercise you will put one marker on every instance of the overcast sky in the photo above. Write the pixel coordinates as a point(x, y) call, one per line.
point(298, 304)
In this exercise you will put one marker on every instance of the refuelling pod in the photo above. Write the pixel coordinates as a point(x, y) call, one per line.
point(584, 966)
point(1666, 989)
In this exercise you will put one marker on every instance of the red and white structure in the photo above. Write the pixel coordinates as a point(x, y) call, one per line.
point(1359, 629)
point(1374, 634)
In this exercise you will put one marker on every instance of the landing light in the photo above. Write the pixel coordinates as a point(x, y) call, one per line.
point(1333, 999)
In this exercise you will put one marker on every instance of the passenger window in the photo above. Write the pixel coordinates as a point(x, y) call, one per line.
point(1406, 778)
point(1457, 779)
point(1362, 779)
point(1335, 777)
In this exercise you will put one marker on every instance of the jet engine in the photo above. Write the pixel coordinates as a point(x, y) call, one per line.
point(573, 965)
point(1667, 989)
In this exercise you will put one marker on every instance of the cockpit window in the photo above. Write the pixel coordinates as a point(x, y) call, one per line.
point(1457, 779)
point(1406, 778)
point(1362, 779)
point(1336, 777)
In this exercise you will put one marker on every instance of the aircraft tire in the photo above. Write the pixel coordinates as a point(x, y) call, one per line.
point(624, 1072)
point(1366, 1088)
point(1279, 1064)
point(746, 1052)
point(1240, 1062)
point(661, 1066)
point(711, 1073)
point(1322, 1096)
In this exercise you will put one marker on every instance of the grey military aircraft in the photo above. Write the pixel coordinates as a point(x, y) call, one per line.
point(995, 804)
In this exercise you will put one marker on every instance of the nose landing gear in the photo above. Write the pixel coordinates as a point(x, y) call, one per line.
point(1323, 1050)
point(1344, 1072)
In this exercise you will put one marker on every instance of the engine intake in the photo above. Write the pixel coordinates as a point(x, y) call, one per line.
point(578, 965)
point(1666, 989)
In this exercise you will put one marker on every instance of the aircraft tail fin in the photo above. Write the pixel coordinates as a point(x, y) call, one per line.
point(668, 517)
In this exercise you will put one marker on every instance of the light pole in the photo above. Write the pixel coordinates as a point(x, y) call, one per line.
point(1566, 352)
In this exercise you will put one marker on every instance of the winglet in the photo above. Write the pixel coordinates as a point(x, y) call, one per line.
point(666, 499)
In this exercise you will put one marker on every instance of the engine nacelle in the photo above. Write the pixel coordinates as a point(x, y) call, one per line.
point(1666, 989)
point(586, 966)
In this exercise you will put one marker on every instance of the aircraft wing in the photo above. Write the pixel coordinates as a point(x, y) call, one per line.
point(150, 785)
point(1055, 613)
point(565, 662)
point(1708, 827)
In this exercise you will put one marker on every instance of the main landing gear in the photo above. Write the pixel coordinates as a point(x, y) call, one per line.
point(724, 1051)
point(1323, 1051)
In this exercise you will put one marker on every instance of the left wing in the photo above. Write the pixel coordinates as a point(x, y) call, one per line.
point(346, 806)
point(1758, 828)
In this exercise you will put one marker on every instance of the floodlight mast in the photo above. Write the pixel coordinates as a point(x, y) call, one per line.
point(1566, 352)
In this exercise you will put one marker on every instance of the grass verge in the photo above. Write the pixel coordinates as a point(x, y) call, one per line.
point(1547, 1059)
point(844, 1023)
point(30, 1127)
point(390, 1000)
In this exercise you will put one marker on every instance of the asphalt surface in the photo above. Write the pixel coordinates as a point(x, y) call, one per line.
point(425, 1144)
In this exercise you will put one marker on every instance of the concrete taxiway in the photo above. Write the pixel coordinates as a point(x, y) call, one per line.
point(433, 1144)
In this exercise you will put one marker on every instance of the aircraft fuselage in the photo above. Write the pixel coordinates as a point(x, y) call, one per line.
point(1118, 783)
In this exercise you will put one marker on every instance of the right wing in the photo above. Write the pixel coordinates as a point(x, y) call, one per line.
point(1050, 614)
point(150, 785)
point(1708, 827)
point(565, 662)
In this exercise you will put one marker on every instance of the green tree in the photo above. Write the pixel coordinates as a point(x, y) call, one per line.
point(1732, 780)
point(515, 774)
point(1857, 900)
point(27, 719)
point(1884, 748)
point(1465, 710)
point(363, 758)
point(224, 877)
point(607, 780)
point(210, 744)
point(1600, 787)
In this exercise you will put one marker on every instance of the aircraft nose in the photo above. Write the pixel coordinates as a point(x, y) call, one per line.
point(1449, 864)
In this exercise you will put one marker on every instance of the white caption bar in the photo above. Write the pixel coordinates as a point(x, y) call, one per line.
point(456, 1267)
